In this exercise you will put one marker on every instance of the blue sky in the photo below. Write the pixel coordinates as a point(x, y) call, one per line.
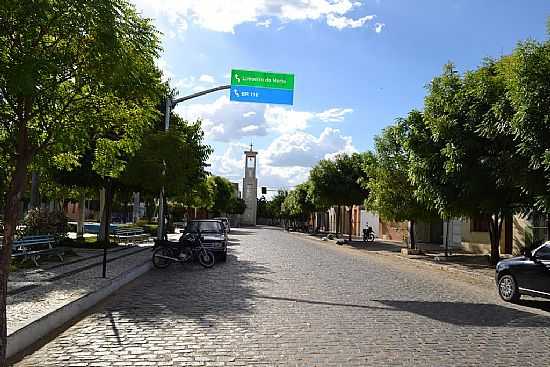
point(358, 66)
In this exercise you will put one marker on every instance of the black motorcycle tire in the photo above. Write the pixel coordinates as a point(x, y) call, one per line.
point(206, 258)
point(370, 238)
point(159, 262)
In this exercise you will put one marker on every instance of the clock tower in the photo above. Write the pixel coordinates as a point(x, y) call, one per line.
point(250, 187)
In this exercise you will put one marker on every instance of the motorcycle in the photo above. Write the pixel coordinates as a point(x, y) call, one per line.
point(188, 248)
point(368, 234)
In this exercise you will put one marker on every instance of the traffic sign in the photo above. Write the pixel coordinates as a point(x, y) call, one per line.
point(262, 79)
point(261, 87)
point(261, 95)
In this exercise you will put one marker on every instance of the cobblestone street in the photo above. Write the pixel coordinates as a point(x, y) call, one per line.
point(285, 300)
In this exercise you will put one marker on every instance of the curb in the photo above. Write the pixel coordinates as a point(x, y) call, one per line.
point(28, 335)
point(417, 262)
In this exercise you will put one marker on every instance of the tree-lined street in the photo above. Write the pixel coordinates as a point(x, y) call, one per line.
point(284, 299)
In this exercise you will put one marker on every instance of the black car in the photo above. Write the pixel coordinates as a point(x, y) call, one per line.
point(528, 274)
point(213, 234)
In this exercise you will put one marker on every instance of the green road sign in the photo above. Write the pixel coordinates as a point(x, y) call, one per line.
point(262, 79)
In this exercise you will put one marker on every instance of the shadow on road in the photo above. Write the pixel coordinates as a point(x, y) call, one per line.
point(375, 246)
point(313, 302)
point(541, 305)
point(162, 297)
point(470, 314)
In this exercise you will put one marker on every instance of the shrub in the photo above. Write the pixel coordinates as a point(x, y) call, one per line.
point(43, 221)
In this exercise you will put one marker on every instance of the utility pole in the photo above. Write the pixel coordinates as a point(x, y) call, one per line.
point(170, 105)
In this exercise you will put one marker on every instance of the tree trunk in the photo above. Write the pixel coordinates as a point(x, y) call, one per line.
point(337, 219)
point(412, 239)
point(11, 216)
point(350, 221)
point(447, 238)
point(495, 227)
point(35, 197)
point(135, 208)
point(81, 216)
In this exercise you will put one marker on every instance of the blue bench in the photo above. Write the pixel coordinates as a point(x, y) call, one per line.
point(33, 247)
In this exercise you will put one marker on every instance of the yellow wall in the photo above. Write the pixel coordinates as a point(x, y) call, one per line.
point(481, 243)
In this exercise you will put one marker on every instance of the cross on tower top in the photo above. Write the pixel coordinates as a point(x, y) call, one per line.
point(251, 146)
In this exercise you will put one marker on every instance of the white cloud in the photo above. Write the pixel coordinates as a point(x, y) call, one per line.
point(224, 120)
point(224, 15)
point(266, 23)
point(163, 66)
point(305, 150)
point(285, 120)
point(341, 22)
point(205, 78)
point(286, 162)
point(334, 114)
point(378, 27)
point(251, 129)
point(281, 177)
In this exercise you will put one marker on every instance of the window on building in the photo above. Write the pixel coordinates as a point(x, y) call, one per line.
point(540, 233)
point(479, 224)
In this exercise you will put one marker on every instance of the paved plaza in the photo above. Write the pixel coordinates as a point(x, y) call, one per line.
point(282, 299)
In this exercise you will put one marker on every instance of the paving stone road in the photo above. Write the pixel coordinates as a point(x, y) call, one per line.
point(285, 300)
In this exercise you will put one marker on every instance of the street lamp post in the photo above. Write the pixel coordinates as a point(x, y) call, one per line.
point(170, 105)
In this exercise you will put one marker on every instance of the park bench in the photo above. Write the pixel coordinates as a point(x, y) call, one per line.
point(33, 247)
point(130, 235)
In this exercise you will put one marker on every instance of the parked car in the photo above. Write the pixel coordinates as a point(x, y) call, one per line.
point(225, 222)
point(213, 233)
point(528, 274)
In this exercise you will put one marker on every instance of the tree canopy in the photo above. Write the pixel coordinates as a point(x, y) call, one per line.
point(71, 73)
point(174, 160)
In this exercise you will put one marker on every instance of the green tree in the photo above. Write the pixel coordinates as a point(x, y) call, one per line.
point(464, 161)
point(237, 206)
point(297, 204)
point(526, 74)
point(223, 194)
point(174, 160)
point(339, 182)
point(391, 192)
point(66, 68)
point(198, 196)
point(276, 203)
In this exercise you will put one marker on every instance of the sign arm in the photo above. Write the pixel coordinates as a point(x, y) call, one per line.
point(198, 94)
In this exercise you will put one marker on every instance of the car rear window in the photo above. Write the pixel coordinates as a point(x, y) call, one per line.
point(194, 227)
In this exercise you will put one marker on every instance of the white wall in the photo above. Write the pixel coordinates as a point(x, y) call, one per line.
point(372, 219)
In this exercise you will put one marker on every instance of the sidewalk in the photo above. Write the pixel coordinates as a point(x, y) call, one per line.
point(472, 265)
point(42, 299)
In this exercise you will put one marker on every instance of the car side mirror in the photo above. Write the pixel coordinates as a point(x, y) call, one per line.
point(527, 253)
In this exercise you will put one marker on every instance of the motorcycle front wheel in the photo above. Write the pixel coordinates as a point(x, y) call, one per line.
point(371, 238)
point(161, 257)
point(206, 258)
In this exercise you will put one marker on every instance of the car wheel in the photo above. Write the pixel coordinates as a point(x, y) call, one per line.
point(508, 288)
